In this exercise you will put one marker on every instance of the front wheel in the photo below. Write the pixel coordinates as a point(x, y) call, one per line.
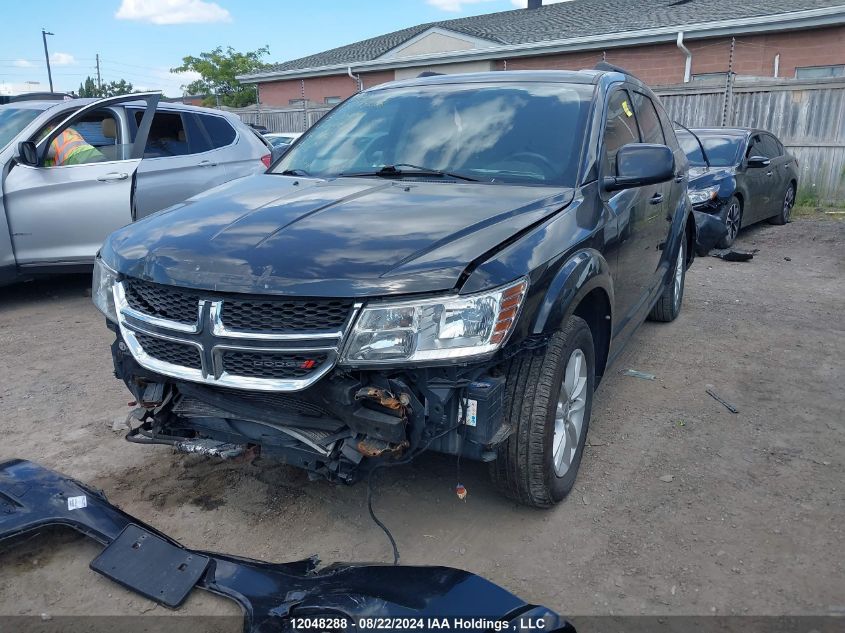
point(732, 217)
point(786, 207)
point(549, 399)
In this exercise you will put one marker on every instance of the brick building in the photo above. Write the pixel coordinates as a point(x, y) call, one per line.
point(664, 42)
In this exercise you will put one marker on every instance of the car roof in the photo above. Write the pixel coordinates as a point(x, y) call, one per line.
point(503, 76)
point(722, 131)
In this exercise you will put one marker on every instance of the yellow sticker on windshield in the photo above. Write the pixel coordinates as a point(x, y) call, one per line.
point(627, 108)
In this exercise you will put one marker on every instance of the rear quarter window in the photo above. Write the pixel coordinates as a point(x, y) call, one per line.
point(220, 131)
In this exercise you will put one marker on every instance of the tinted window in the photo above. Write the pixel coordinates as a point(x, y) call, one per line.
point(507, 132)
point(199, 139)
point(167, 135)
point(650, 128)
point(13, 120)
point(621, 128)
point(722, 149)
point(770, 146)
point(219, 130)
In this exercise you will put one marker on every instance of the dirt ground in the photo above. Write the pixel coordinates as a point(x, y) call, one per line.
point(681, 507)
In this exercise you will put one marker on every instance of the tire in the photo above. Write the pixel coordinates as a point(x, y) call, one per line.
point(524, 469)
point(668, 306)
point(732, 218)
point(786, 206)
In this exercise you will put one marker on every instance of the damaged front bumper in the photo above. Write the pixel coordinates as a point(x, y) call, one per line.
point(273, 596)
point(338, 428)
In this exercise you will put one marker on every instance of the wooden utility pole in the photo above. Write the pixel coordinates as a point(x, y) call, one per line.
point(99, 81)
point(44, 34)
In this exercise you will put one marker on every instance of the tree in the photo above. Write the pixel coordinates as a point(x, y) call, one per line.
point(88, 88)
point(217, 70)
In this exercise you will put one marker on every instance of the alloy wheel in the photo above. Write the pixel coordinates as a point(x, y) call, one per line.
point(732, 220)
point(679, 277)
point(569, 415)
point(788, 202)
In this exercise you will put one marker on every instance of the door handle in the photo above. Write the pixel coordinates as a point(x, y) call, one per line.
point(656, 199)
point(207, 163)
point(768, 173)
point(113, 176)
point(679, 178)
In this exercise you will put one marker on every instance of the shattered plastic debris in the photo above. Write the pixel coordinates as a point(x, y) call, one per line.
point(724, 402)
point(732, 255)
point(638, 374)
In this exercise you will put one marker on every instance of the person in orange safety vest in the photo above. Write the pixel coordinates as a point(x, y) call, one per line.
point(71, 148)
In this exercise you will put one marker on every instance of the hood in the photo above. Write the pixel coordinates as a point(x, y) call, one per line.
point(346, 237)
point(701, 177)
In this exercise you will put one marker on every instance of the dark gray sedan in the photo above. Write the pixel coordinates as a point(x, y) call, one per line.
point(739, 175)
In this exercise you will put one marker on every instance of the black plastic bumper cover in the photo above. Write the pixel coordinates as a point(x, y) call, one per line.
point(271, 595)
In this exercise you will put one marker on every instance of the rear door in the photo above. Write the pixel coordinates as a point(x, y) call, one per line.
point(60, 215)
point(179, 161)
point(779, 170)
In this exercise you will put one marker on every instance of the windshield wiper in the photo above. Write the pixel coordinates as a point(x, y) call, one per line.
point(393, 171)
point(295, 172)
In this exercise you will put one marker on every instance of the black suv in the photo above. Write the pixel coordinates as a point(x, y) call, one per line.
point(447, 263)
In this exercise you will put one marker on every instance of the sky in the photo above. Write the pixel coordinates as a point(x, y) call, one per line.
point(141, 40)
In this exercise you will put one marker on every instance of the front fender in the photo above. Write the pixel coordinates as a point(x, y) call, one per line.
point(582, 273)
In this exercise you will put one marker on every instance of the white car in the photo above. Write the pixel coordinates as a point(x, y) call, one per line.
point(150, 155)
point(282, 139)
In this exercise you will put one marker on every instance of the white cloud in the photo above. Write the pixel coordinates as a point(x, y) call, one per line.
point(453, 6)
point(62, 59)
point(172, 11)
point(23, 63)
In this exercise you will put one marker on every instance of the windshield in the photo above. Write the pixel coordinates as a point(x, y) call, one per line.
point(722, 149)
point(527, 133)
point(13, 120)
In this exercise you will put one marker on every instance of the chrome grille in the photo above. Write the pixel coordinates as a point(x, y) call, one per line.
point(267, 345)
point(285, 316)
point(164, 302)
point(271, 365)
point(170, 352)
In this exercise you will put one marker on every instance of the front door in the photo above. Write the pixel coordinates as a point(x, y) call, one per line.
point(639, 213)
point(60, 214)
point(760, 182)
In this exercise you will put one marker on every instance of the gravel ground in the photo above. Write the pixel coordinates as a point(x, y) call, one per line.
point(681, 507)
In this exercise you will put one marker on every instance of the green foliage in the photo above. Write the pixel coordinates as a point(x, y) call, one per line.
point(218, 69)
point(88, 88)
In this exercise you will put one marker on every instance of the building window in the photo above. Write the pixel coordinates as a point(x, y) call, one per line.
point(710, 76)
point(298, 102)
point(332, 100)
point(820, 72)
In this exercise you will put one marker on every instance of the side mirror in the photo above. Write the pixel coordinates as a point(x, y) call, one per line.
point(27, 153)
point(758, 161)
point(640, 164)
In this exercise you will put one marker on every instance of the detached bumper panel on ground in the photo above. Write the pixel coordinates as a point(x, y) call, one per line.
point(271, 595)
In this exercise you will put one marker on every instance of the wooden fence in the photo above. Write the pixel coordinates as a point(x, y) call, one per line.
point(807, 116)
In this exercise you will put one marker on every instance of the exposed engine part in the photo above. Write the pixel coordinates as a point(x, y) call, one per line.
point(373, 447)
point(212, 448)
point(384, 397)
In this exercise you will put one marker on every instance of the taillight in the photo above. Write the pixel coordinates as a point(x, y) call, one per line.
point(267, 159)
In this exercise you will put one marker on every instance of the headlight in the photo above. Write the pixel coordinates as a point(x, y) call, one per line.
point(704, 195)
point(102, 292)
point(435, 329)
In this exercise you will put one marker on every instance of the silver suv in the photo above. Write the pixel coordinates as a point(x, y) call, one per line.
point(54, 218)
